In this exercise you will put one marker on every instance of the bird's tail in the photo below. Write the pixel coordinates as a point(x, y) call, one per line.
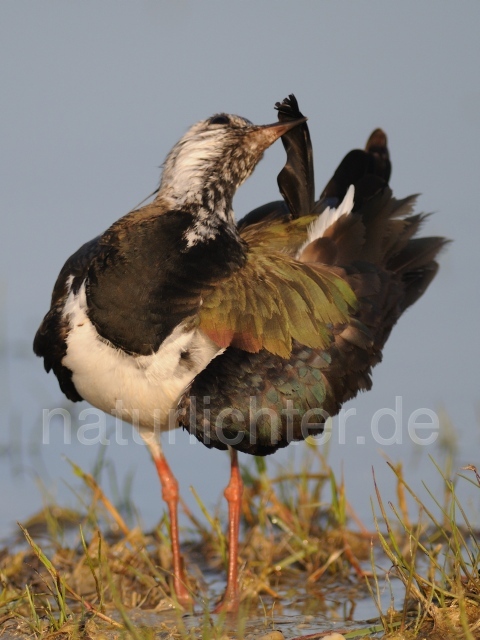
point(375, 249)
point(359, 221)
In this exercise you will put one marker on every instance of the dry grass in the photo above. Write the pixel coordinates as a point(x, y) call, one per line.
point(298, 550)
point(437, 560)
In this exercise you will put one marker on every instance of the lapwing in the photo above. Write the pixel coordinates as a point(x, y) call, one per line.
point(248, 335)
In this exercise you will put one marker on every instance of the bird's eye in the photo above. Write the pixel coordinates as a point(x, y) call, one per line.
point(219, 120)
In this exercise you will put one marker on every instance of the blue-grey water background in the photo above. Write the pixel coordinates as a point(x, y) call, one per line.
point(93, 96)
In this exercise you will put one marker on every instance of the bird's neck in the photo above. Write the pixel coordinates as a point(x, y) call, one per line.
point(209, 200)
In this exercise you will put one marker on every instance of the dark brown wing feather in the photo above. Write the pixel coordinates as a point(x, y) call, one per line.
point(368, 170)
point(296, 180)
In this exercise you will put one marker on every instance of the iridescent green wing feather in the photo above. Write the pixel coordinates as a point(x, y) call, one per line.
point(285, 236)
point(274, 300)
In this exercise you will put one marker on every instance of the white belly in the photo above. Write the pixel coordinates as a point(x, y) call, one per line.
point(143, 390)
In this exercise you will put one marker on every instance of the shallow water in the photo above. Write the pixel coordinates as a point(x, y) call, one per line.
point(329, 605)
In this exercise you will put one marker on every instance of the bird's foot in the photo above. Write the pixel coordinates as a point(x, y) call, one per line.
point(181, 594)
point(184, 599)
point(229, 603)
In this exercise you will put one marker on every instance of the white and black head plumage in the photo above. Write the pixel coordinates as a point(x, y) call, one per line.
point(214, 158)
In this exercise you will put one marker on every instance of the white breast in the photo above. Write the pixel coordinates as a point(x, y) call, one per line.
point(143, 390)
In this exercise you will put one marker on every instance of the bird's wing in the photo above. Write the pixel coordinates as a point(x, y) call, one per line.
point(274, 300)
point(50, 339)
point(368, 170)
point(296, 180)
point(285, 236)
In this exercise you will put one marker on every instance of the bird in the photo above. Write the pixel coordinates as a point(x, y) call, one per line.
point(248, 335)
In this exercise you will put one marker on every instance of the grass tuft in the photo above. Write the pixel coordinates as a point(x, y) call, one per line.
point(437, 560)
point(302, 550)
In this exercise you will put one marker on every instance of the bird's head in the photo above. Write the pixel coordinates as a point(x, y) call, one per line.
point(215, 157)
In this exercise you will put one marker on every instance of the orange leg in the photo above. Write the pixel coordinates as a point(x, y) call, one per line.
point(170, 495)
point(233, 494)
